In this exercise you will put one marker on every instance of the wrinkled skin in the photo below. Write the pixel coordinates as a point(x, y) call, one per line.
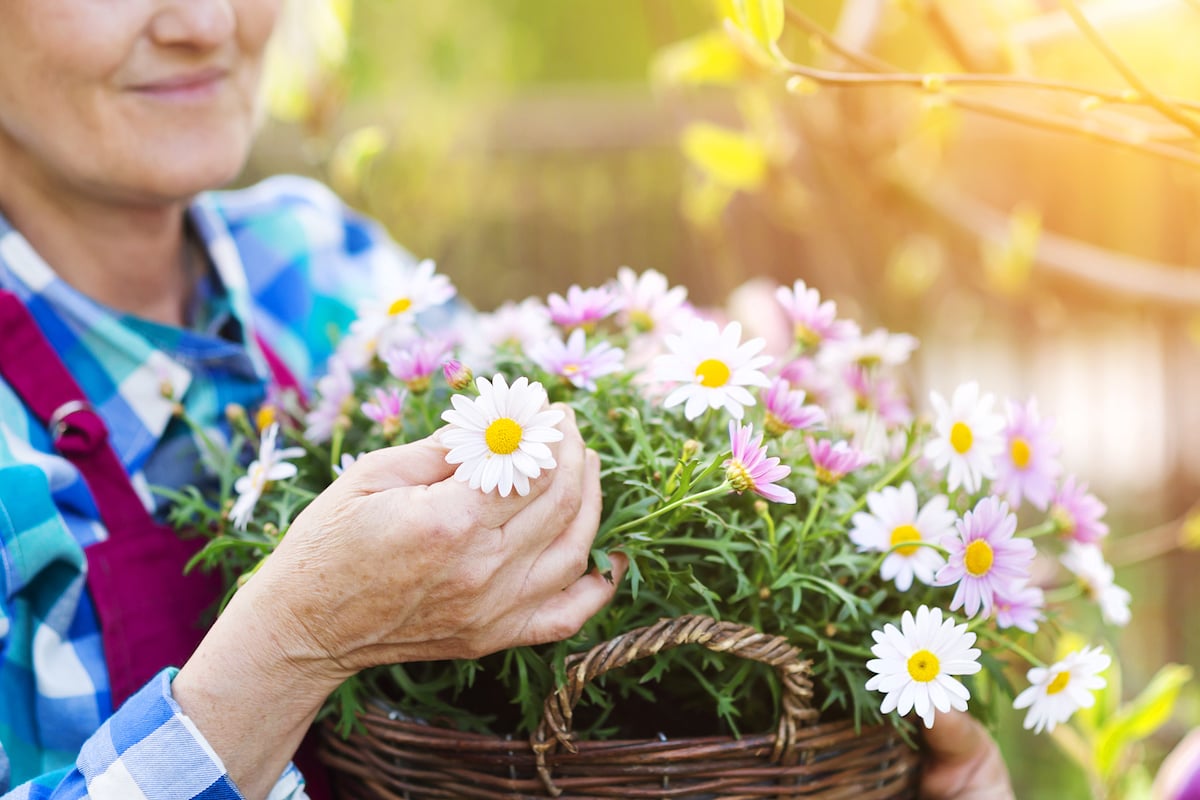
point(395, 562)
point(962, 762)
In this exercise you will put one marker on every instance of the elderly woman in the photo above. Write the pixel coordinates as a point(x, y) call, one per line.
point(124, 289)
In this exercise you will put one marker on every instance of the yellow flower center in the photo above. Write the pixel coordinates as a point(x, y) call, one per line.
point(739, 477)
point(712, 373)
point(978, 558)
point(641, 321)
point(806, 337)
point(503, 436)
point(570, 369)
point(774, 426)
point(1064, 521)
point(257, 474)
point(1059, 683)
point(264, 417)
point(923, 666)
point(1021, 453)
point(399, 306)
point(961, 437)
point(906, 533)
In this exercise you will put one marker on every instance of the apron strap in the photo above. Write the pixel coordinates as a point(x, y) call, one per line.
point(30, 365)
point(35, 371)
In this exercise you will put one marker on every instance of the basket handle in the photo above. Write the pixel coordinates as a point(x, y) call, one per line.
point(721, 637)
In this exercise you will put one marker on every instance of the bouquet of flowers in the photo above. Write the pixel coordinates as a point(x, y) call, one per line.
point(922, 558)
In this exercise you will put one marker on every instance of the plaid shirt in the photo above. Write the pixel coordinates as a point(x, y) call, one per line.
point(289, 263)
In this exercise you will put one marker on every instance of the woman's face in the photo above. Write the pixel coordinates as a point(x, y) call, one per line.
point(132, 100)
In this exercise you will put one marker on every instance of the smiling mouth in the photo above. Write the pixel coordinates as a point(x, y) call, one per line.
point(191, 86)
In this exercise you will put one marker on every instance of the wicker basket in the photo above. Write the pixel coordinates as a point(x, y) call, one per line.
point(394, 758)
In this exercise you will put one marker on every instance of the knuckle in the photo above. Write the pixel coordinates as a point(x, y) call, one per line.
point(564, 626)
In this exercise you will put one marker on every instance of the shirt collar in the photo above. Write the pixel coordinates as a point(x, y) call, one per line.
point(132, 382)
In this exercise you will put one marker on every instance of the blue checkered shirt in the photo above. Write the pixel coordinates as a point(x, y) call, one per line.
point(289, 262)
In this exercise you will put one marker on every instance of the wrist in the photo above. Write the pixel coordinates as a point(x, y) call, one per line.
point(250, 700)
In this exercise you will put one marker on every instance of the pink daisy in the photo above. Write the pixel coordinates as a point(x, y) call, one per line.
point(582, 308)
point(984, 557)
point(813, 322)
point(333, 391)
point(786, 410)
point(878, 393)
point(514, 325)
point(387, 409)
point(1078, 513)
point(574, 362)
point(834, 461)
point(647, 303)
point(1028, 467)
point(1019, 606)
point(416, 363)
point(750, 468)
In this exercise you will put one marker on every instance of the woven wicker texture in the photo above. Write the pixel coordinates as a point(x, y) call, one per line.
point(395, 758)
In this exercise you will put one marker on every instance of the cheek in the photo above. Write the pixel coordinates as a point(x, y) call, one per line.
point(256, 22)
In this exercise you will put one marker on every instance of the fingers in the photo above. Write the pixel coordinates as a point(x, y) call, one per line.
point(565, 613)
point(418, 463)
point(565, 558)
point(955, 737)
point(574, 483)
point(962, 761)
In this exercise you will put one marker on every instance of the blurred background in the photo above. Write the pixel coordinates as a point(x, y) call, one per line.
point(1016, 182)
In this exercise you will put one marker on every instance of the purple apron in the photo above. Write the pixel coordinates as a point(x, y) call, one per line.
point(149, 611)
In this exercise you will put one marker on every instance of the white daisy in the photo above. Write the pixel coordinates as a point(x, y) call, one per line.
point(269, 466)
point(713, 368)
point(1058, 691)
point(879, 347)
point(1087, 563)
point(968, 437)
point(499, 439)
point(914, 664)
point(386, 318)
point(894, 519)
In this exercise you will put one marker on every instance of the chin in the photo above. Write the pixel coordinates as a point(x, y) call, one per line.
point(179, 172)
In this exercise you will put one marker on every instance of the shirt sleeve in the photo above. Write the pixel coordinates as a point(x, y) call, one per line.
point(149, 750)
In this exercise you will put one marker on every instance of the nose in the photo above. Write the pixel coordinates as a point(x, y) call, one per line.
point(201, 24)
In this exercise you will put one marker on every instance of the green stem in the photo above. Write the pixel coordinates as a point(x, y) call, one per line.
point(658, 512)
point(1011, 646)
point(1042, 529)
point(896, 471)
point(812, 511)
point(335, 455)
point(851, 649)
point(288, 488)
point(1064, 593)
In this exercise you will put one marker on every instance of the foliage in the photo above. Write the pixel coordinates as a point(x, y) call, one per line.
point(679, 500)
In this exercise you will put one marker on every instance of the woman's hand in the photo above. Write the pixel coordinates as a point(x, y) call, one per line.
point(396, 561)
point(962, 762)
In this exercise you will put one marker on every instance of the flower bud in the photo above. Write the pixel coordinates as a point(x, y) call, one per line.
point(235, 413)
point(458, 375)
point(690, 448)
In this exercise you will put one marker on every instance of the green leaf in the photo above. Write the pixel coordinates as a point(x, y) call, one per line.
point(762, 19)
point(1141, 717)
point(710, 58)
point(732, 159)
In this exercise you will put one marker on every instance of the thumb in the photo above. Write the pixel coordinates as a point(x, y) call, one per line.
point(419, 463)
point(956, 738)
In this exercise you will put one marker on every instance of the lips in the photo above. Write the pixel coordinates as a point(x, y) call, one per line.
point(183, 84)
